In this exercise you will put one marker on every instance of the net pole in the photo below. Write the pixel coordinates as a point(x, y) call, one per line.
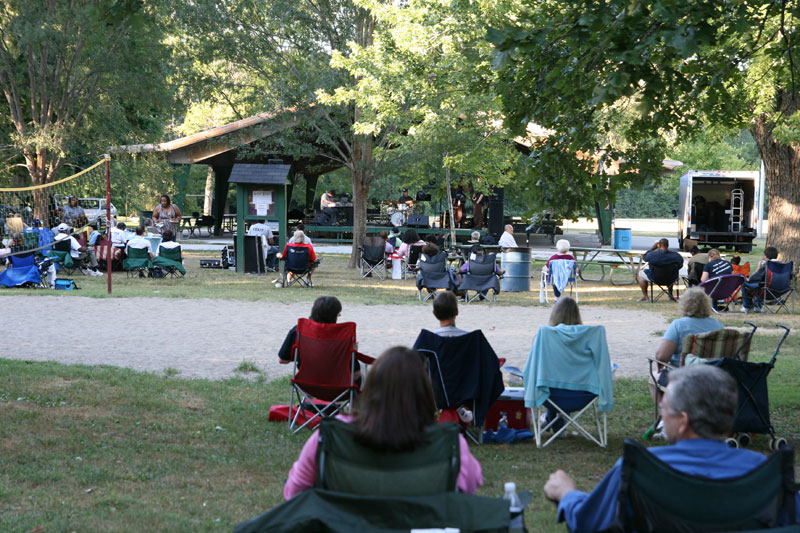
point(108, 220)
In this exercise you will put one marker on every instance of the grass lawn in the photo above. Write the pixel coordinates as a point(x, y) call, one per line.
point(101, 448)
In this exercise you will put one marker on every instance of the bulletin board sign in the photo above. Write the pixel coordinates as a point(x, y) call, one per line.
point(261, 202)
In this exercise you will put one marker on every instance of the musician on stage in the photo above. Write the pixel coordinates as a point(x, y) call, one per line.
point(327, 201)
point(405, 198)
point(459, 197)
point(479, 205)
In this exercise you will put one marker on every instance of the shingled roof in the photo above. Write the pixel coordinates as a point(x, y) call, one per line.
point(260, 174)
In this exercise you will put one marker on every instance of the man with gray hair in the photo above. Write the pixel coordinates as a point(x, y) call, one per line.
point(699, 408)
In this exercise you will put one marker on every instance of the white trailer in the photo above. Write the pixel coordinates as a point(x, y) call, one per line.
point(719, 208)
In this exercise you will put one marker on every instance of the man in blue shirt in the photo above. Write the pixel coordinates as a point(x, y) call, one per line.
point(698, 410)
point(658, 255)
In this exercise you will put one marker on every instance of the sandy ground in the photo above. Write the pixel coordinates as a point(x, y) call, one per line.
point(209, 338)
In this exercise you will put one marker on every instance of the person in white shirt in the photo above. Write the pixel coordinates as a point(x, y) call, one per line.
point(168, 241)
point(301, 227)
point(507, 238)
point(80, 254)
point(262, 229)
point(139, 242)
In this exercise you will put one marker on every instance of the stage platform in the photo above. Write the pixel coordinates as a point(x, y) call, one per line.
point(344, 234)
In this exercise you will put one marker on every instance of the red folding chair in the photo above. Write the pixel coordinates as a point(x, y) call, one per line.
point(325, 362)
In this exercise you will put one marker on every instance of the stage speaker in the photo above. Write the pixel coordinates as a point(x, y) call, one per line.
point(418, 221)
point(253, 255)
point(496, 212)
point(323, 219)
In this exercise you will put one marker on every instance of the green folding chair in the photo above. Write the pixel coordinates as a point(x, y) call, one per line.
point(345, 465)
point(171, 261)
point(654, 496)
point(138, 262)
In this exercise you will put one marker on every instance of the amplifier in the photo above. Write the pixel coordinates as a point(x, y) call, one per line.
point(210, 263)
point(417, 221)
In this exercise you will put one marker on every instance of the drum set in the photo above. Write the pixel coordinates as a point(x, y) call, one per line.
point(397, 213)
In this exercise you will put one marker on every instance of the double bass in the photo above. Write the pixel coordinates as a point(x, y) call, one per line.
point(459, 204)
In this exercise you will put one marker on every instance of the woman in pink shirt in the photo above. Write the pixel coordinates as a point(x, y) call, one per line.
point(393, 410)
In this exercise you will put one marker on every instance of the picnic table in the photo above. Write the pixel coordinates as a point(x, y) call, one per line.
point(630, 260)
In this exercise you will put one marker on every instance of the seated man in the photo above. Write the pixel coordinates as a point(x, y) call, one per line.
point(658, 255)
point(507, 238)
point(445, 309)
point(119, 237)
point(698, 258)
point(750, 301)
point(81, 254)
point(139, 242)
point(262, 229)
point(300, 227)
point(699, 409)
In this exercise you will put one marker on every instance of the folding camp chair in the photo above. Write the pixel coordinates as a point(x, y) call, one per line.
point(722, 343)
point(569, 370)
point(722, 289)
point(778, 286)
point(325, 362)
point(373, 257)
point(433, 274)
point(171, 261)
point(561, 274)
point(693, 277)
point(138, 262)
point(345, 465)
point(480, 277)
point(296, 264)
point(664, 277)
point(24, 271)
point(654, 496)
point(409, 262)
point(464, 370)
point(62, 255)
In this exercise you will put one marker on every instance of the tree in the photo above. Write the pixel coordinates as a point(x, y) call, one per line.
point(286, 46)
point(681, 64)
point(71, 72)
point(425, 81)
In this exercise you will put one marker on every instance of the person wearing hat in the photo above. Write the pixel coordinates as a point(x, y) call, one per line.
point(81, 254)
point(72, 211)
point(405, 198)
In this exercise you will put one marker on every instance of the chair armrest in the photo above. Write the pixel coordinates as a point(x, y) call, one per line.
point(367, 360)
point(655, 362)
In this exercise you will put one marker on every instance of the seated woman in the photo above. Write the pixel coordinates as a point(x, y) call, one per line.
point(299, 240)
point(562, 247)
point(715, 267)
point(393, 410)
point(566, 312)
point(410, 238)
point(326, 310)
point(695, 306)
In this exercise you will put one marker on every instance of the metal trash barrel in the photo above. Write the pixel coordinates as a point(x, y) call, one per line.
point(517, 264)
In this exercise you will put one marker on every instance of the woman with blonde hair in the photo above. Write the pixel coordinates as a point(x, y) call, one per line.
point(716, 266)
point(565, 311)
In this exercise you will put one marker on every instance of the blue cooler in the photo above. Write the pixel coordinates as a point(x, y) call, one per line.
point(622, 238)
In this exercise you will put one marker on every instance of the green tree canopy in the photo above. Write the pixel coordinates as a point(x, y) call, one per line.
point(677, 64)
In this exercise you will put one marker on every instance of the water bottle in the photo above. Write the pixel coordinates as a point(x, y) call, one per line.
point(503, 423)
point(516, 523)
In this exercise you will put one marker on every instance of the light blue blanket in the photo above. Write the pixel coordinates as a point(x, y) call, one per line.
point(572, 358)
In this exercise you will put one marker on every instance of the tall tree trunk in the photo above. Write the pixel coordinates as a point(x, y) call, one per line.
point(782, 167)
point(360, 193)
point(207, 192)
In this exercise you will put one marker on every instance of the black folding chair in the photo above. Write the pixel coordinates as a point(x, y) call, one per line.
point(665, 277)
point(433, 274)
point(410, 262)
point(373, 257)
point(480, 277)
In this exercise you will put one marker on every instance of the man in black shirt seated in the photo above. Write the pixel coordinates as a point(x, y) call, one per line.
point(658, 255)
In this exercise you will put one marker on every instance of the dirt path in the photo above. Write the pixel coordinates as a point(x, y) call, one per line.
point(209, 338)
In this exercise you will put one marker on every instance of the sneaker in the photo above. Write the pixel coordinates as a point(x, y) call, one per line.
point(86, 272)
point(745, 310)
point(96, 273)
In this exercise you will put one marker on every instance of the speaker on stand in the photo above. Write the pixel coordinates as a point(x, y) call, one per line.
point(495, 224)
